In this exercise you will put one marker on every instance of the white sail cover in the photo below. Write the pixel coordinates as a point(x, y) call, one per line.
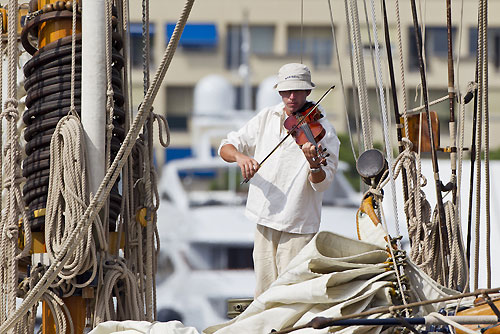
point(142, 327)
point(332, 276)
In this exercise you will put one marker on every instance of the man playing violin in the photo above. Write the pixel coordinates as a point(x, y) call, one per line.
point(285, 194)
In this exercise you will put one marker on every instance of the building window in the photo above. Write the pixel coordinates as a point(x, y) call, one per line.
point(136, 45)
point(195, 36)
point(436, 45)
point(261, 43)
point(313, 42)
point(179, 107)
point(493, 45)
point(262, 40)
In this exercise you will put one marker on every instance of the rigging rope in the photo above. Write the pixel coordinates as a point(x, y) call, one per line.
point(411, 162)
point(480, 110)
point(378, 197)
point(109, 99)
point(341, 81)
point(486, 145)
point(457, 277)
point(124, 212)
point(385, 122)
point(59, 310)
point(401, 68)
point(423, 232)
point(73, 60)
point(121, 283)
point(150, 265)
point(14, 203)
point(301, 30)
point(461, 130)
point(104, 188)
point(68, 198)
point(355, 97)
point(363, 93)
point(372, 52)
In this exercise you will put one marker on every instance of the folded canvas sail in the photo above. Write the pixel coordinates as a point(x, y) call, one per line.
point(332, 276)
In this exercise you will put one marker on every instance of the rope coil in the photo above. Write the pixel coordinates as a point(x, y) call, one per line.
point(104, 189)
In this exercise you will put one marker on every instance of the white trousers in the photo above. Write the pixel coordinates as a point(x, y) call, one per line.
point(273, 250)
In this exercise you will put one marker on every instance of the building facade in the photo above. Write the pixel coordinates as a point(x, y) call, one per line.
point(282, 31)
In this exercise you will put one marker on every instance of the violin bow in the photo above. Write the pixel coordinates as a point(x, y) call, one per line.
point(300, 121)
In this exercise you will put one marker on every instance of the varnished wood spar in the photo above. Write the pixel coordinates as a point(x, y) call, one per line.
point(435, 168)
point(451, 96)
point(397, 115)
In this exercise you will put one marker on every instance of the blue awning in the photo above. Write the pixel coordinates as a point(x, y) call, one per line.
point(195, 34)
point(136, 29)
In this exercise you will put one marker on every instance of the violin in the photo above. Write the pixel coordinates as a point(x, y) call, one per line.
point(304, 127)
point(296, 126)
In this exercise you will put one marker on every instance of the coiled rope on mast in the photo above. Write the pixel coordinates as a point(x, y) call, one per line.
point(111, 176)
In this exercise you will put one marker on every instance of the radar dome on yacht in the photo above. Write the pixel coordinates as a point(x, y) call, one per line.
point(266, 94)
point(214, 95)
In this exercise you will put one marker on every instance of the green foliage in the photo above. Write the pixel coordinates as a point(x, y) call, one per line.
point(345, 154)
point(494, 154)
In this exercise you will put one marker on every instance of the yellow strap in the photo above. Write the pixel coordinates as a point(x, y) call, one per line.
point(141, 217)
point(39, 213)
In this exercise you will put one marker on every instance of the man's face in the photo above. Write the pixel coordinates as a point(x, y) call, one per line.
point(294, 99)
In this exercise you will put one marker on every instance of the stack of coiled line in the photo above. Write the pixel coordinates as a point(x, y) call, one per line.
point(48, 87)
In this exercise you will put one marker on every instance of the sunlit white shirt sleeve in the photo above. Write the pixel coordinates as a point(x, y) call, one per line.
point(245, 139)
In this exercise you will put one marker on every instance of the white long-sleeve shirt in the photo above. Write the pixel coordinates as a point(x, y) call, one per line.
point(280, 194)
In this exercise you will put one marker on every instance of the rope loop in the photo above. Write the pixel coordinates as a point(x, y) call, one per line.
point(471, 86)
point(11, 181)
point(110, 93)
point(11, 231)
point(407, 143)
point(72, 112)
point(162, 122)
point(10, 112)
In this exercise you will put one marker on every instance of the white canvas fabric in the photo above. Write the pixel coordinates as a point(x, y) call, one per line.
point(332, 276)
point(142, 327)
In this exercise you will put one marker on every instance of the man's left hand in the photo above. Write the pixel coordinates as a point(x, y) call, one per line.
point(311, 154)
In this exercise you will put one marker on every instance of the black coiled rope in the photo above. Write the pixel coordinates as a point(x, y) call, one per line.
point(48, 87)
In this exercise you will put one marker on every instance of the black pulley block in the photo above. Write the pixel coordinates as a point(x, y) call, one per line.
point(371, 166)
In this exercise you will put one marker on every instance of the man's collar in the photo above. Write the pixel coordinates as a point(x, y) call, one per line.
point(279, 108)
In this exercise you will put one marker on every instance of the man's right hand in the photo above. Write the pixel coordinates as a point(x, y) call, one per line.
point(248, 166)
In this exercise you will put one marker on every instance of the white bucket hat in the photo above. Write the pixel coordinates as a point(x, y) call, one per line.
point(294, 76)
